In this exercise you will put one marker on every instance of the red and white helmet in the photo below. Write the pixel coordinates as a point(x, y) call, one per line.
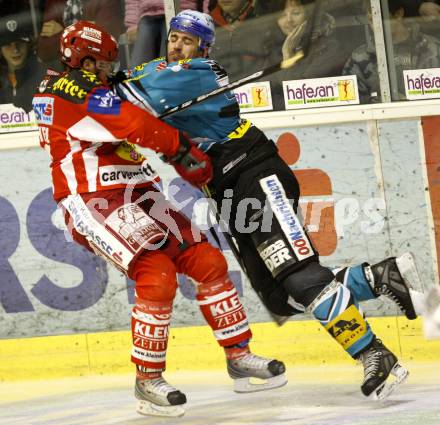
point(85, 39)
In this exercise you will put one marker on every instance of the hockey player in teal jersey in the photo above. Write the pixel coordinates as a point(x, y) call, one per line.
point(282, 264)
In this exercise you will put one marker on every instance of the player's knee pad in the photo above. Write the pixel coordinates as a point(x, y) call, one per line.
point(203, 263)
point(306, 283)
point(155, 276)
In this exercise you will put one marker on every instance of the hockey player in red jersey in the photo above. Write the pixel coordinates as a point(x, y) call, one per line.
point(113, 207)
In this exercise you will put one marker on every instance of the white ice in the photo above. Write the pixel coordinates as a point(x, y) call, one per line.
point(318, 395)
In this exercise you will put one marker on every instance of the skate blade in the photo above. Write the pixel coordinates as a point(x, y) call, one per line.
point(419, 302)
point(431, 314)
point(244, 385)
point(400, 374)
point(150, 409)
point(408, 269)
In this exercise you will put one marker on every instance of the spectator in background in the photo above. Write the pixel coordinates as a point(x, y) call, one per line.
point(429, 8)
point(146, 28)
point(325, 58)
point(62, 13)
point(20, 71)
point(423, 8)
point(429, 13)
point(244, 32)
point(412, 49)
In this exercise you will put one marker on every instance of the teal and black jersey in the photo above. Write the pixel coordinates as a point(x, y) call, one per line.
point(158, 86)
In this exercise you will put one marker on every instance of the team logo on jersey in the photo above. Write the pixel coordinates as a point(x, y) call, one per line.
point(43, 108)
point(128, 152)
point(103, 101)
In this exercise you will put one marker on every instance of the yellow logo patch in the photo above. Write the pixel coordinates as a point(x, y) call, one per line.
point(128, 152)
point(346, 90)
point(260, 97)
point(90, 76)
point(69, 87)
point(240, 131)
point(348, 327)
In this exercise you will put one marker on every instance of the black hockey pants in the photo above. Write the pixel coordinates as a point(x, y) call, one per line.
point(257, 195)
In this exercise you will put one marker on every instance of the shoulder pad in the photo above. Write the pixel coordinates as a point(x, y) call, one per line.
point(74, 86)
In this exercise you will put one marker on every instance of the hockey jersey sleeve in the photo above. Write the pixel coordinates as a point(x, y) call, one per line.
point(124, 121)
point(166, 85)
point(158, 86)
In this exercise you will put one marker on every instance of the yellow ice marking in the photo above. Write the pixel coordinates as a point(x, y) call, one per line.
point(298, 342)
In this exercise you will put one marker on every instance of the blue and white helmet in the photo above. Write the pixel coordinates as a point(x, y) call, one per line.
point(196, 23)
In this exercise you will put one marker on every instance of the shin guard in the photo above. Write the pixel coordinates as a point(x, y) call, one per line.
point(150, 327)
point(224, 312)
point(339, 313)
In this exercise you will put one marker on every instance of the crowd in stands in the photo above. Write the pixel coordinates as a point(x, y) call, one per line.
point(251, 35)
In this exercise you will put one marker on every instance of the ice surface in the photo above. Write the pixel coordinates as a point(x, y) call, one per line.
point(320, 395)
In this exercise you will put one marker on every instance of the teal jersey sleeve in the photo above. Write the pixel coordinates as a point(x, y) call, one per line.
point(160, 86)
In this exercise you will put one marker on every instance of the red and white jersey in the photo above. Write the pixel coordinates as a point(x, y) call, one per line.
point(89, 132)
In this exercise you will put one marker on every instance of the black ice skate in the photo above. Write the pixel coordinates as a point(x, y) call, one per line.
point(158, 398)
point(379, 365)
point(241, 370)
point(396, 278)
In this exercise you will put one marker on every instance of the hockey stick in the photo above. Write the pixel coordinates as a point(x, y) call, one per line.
point(285, 64)
point(229, 238)
point(279, 320)
point(300, 53)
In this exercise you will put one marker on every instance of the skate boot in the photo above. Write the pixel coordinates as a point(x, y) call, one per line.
point(243, 368)
point(396, 278)
point(379, 363)
point(158, 398)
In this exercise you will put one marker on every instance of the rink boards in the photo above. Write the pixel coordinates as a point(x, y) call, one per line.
point(297, 343)
point(369, 190)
